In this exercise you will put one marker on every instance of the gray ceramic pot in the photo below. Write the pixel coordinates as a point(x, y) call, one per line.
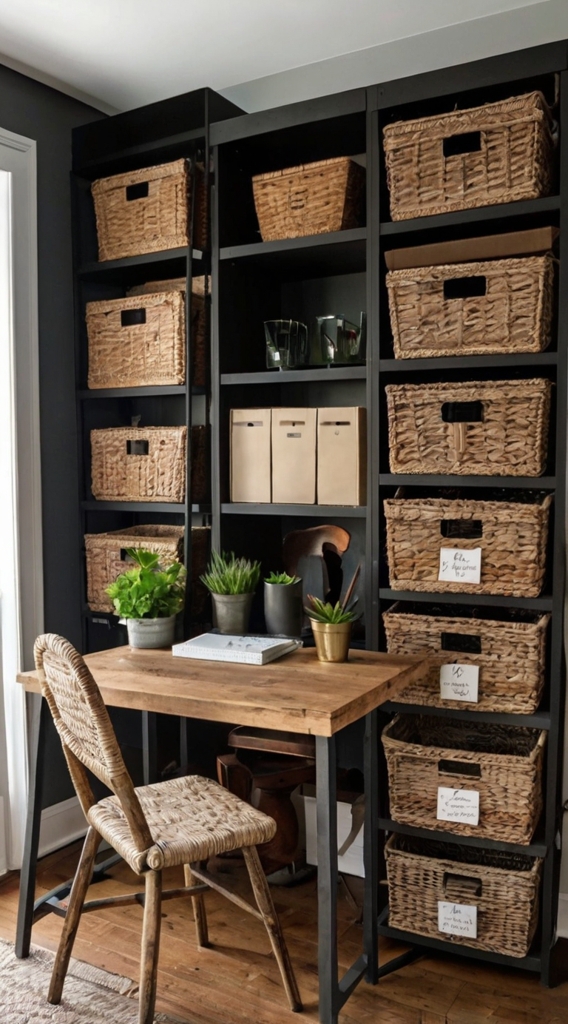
point(283, 608)
point(231, 612)
point(150, 633)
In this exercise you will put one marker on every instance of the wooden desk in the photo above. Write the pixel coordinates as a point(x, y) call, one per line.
point(296, 693)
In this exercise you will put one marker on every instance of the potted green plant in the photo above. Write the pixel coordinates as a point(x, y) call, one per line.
point(331, 626)
point(231, 582)
point(148, 598)
point(283, 612)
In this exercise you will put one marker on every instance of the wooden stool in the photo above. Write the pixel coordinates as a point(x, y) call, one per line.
point(275, 763)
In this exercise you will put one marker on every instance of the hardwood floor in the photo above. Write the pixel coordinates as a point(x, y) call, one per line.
point(237, 981)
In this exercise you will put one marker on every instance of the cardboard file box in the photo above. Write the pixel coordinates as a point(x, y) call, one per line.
point(294, 456)
point(250, 455)
point(342, 456)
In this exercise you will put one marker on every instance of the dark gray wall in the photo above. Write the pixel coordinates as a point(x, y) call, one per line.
point(41, 113)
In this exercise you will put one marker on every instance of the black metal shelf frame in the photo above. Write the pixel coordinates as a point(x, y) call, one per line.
point(547, 958)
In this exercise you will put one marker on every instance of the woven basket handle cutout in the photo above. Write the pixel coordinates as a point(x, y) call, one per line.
point(298, 198)
point(137, 191)
point(465, 643)
point(458, 415)
point(468, 768)
point(132, 317)
point(462, 885)
point(465, 142)
point(135, 447)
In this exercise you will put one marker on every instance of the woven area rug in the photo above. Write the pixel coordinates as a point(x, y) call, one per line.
point(90, 996)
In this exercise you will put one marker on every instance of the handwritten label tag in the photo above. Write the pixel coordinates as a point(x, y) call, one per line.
point(458, 805)
point(458, 565)
point(457, 919)
point(459, 682)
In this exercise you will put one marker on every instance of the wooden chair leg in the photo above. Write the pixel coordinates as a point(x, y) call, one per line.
point(272, 924)
point(150, 945)
point(199, 912)
point(81, 883)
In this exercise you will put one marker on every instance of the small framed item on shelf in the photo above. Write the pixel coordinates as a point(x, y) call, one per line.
point(484, 428)
point(486, 899)
point(505, 536)
point(496, 153)
point(470, 778)
point(506, 649)
point(139, 463)
point(312, 199)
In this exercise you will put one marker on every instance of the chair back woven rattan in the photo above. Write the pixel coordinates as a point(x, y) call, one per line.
point(178, 822)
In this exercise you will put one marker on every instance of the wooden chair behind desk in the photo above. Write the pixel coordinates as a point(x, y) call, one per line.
point(181, 821)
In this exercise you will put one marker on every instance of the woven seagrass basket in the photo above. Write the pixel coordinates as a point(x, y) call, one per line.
point(503, 886)
point(502, 763)
point(512, 535)
point(311, 199)
point(138, 463)
point(470, 309)
point(509, 651)
point(498, 153)
point(106, 558)
point(135, 342)
point(147, 210)
point(490, 428)
point(200, 288)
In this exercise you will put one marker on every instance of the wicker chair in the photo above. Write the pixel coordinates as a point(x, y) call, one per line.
point(182, 821)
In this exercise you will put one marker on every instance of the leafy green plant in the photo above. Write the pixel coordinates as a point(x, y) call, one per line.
point(281, 578)
point(227, 574)
point(324, 611)
point(145, 591)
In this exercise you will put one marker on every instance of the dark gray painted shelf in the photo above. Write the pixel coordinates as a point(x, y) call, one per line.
point(108, 267)
point(498, 600)
point(158, 390)
point(495, 362)
point(320, 373)
point(538, 720)
point(534, 849)
point(141, 506)
point(319, 511)
point(430, 480)
point(338, 252)
point(475, 216)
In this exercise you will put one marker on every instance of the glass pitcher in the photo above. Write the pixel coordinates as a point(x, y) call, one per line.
point(337, 341)
point(286, 344)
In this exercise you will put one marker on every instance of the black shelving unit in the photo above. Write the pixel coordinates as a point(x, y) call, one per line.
point(161, 132)
point(541, 68)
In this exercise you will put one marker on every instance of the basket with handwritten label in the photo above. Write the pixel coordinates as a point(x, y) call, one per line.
point(469, 778)
point(487, 428)
point(449, 543)
point(482, 659)
point(487, 899)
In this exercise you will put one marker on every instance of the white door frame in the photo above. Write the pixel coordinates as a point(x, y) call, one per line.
point(21, 566)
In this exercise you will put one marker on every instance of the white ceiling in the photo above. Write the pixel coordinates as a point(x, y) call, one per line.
point(125, 53)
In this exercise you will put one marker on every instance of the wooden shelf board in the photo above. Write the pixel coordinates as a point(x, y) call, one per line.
point(533, 849)
point(338, 252)
point(478, 214)
point(497, 600)
point(320, 373)
point(497, 362)
point(431, 480)
point(318, 511)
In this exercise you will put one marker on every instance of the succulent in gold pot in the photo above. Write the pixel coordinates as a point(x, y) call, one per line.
point(331, 625)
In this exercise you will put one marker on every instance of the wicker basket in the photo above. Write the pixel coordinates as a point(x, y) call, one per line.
point(469, 309)
point(502, 763)
point(199, 335)
point(139, 463)
point(490, 428)
point(105, 557)
point(497, 153)
point(503, 886)
point(509, 652)
point(512, 535)
point(312, 199)
point(135, 342)
point(147, 210)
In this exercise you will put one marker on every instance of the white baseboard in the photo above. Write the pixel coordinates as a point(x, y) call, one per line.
point(61, 824)
point(562, 925)
point(3, 839)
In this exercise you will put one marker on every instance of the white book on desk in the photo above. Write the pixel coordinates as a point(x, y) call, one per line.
point(248, 650)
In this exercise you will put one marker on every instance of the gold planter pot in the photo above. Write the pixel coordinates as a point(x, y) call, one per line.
point(332, 640)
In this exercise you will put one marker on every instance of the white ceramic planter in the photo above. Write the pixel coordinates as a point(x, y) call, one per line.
point(151, 633)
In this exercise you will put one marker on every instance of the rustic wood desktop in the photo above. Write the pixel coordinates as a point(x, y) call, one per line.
point(296, 693)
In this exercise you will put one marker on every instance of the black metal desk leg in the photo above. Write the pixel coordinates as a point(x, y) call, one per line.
point(370, 850)
point(149, 747)
point(33, 822)
point(329, 995)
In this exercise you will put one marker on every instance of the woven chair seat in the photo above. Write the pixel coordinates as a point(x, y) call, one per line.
point(190, 819)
